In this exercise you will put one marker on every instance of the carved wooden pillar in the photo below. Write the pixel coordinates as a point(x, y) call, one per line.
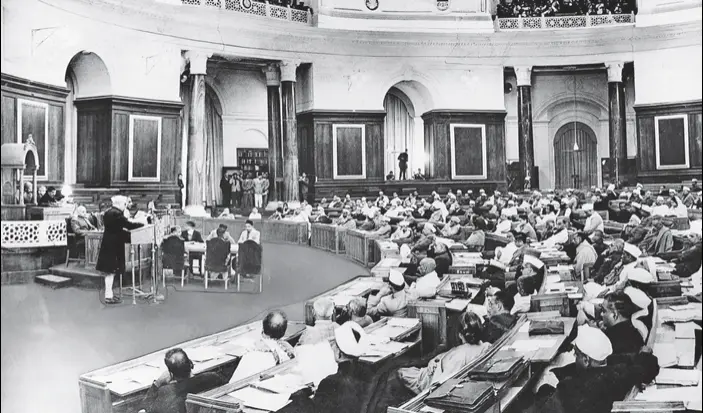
point(290, 140)
point(195, 180)
point(526, 151)
point(273, 82)
point(617, 123)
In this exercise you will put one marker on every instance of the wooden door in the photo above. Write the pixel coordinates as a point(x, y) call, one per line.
point(575, 166)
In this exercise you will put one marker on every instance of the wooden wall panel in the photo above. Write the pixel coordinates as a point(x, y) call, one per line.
point(324, 167)
point(57, 142)
point(695, 136)
point(438, 141)
point(93, 143)
point(14, 88)
point(375, 150)
point(647, 171)
point(9, 119)
point(120, 147)
point(170, 149)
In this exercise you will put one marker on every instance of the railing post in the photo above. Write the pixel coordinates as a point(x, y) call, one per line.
point(542, 22)
point(268, 9)
point(588, 20)
point(289, 13)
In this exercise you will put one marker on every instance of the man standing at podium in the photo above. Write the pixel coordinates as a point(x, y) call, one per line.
point(111, 259)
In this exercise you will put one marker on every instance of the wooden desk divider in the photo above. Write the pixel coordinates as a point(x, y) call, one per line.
point(97, 397)
point(328, 237)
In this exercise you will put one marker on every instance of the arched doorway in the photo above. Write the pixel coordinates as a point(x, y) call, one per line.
point(404, 103)
point(399, 128)
point(575, 156)
point(86, 76)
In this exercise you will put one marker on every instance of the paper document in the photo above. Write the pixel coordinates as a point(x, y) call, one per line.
point(686, 330)
point(678, 377)
point(673, 394)
point(282, 384)
point(143, 373)
point(532, 345)
point(387, 348)
point(204, 353)
point(403, 322)
point(666, 354)
point(553, 279)
point(457, 304)
point(259, 399)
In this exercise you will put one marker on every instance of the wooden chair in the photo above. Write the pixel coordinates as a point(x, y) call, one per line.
point(174, 256)
point(249, 261)
point(72, 243)
point(217, 259)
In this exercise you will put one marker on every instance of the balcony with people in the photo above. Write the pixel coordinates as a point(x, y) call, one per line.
point(563, 14)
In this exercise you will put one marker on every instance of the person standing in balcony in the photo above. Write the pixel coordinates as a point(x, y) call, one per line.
point(258, 191)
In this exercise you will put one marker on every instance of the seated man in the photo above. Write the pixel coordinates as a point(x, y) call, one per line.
point(500, 320)
point(403, 234)
point(617, 322)
point(561, 234)
point(28, 194)
point(324, 327)
point(689, 261)
point(357, 311)
point(80, 222)
point(391, 300)
point(49, 198)
point(424, 286)
point(269, 351)
point(586, 256)
point(383, 229)
point(607, 262)
point(592, 383)
point(221, 233)
point(597, 242)
point(452, 230)
point(664, 241)
point(168, 393)
point(526, 287)
point(345, 220)
point(477, 239)
point(249, 234)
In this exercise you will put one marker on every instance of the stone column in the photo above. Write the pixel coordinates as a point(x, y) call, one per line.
point(273, 82)
point(526, 151)
point(290, 140)
point(616, 121)
point(195, 179)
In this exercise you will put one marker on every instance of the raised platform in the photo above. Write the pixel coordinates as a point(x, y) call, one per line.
point(53, 281)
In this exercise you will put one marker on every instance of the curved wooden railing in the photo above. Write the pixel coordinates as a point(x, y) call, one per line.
point(328, 237)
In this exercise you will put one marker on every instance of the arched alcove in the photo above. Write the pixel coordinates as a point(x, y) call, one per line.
point(575, 156)
point(86, 76)
point(404, 103)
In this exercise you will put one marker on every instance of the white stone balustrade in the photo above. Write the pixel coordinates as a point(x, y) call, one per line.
point(30, 234)
point(564, 22)
point(256, 8)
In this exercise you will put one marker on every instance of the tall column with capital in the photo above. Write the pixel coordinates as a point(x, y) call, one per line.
point(290, 140)
point(195, 180)
point(617, 121)
point(526, 151)
point(273, 82)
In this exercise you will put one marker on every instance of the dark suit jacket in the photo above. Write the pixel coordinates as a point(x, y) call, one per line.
point(496, 326)
point(197, 237)
point(171, 398)
point(111, 258)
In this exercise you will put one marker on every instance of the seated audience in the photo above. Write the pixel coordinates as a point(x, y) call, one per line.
point(357, 311)
point(49, 198)
point(168, 393)
point(592, 383)
point(80, 222)
point(249, 233)
point(226, 214)
point(499, 304)
point(617, 323)
point(444, 365)
point(586, 256)
point(664, 240)
point(324, 327)
point(425, 285)
point(255, 214)
point(391, 300)
point(689, 260)
point(27, 193)
point(526, 287)
point(477, 239)
point(269, 351)
point(221, 233)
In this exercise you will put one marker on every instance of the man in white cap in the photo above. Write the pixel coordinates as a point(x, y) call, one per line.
point(324, 327)
point(594, 381)
point(392, 300)
point(642, 301)
point(617, 322)
point(688, 198)
point(111, 258)
point(594, 221)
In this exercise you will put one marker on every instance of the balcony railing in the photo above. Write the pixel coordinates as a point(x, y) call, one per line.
point(256, 8)
point(564, 22)
point(27, 234)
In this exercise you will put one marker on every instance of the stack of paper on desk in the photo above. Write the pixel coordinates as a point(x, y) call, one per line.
point(383, 349)
point(403, 322)
point(670, 316)
point(666, 354)
point(527, 346)
point(260, 399)
point(679, 377)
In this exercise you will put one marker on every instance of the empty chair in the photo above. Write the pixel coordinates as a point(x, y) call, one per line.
point(217, 259)
point(174, 256)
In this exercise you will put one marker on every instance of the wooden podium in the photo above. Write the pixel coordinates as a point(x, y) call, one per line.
point(142, 236)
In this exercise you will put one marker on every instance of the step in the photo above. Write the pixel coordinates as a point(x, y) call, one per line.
point(53, 281)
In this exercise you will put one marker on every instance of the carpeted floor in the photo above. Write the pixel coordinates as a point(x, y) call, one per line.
point(50, 337)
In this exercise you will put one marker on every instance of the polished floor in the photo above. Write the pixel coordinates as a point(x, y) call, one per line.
point(50, 337)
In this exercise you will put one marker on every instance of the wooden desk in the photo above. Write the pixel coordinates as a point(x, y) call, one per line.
point(93, 240)
point(121, 387)
point(384, 267)
point(499, 349)
point(38, 213)
point(220, 400)
point(384, 248)
point(361, 286)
